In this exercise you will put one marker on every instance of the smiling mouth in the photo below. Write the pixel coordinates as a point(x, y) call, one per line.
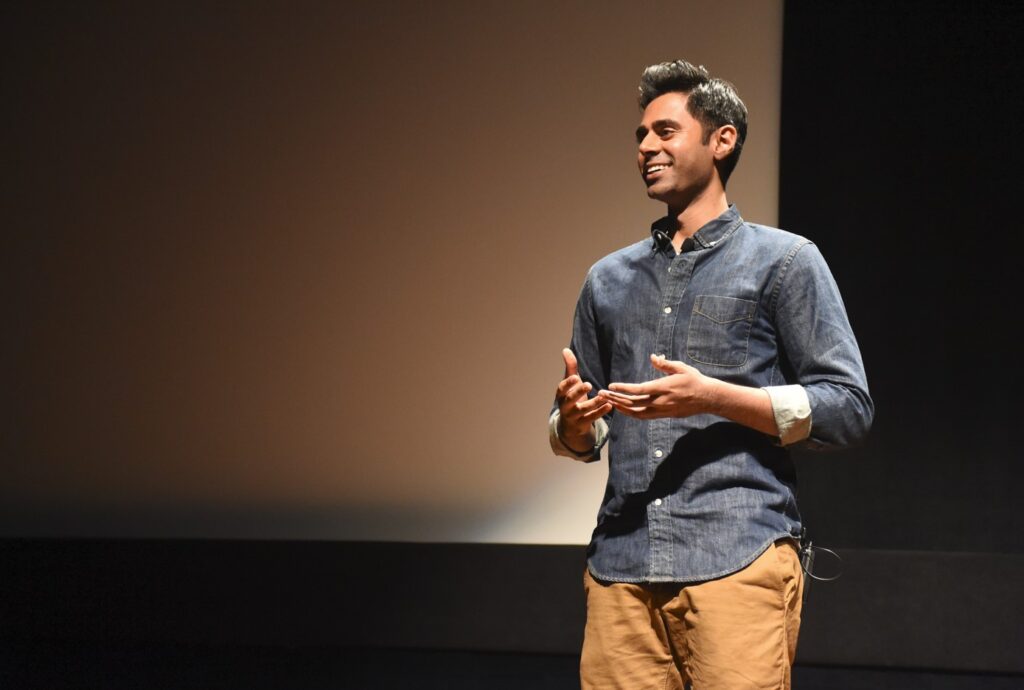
point(655, 168)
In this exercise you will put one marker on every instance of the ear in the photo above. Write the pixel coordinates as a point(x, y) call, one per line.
point(723, 141)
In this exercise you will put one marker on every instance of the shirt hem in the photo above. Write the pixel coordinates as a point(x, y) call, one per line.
point(695, 578)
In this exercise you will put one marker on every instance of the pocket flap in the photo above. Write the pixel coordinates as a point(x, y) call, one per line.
point(724, 309)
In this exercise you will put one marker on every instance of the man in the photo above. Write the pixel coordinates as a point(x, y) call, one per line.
point(700, 354)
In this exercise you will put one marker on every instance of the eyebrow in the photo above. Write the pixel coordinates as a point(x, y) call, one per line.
point(641, 131)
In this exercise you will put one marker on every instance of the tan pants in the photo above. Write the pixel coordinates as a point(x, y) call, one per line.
point(736, 632)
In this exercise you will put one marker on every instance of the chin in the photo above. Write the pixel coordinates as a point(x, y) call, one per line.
point(653, 193)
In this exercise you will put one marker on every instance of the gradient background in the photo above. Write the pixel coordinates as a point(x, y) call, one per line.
point(305, 272)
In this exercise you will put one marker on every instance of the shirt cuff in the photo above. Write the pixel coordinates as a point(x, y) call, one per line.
point(792, 411)
point(559, 448)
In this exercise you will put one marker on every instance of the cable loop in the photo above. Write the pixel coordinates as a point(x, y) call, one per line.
point(808, 566)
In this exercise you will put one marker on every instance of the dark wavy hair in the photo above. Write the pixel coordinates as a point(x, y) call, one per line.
point(711, 101)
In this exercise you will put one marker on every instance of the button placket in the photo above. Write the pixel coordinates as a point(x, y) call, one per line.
point(660, 430)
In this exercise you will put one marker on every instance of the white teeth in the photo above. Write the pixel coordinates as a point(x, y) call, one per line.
point(656, 168)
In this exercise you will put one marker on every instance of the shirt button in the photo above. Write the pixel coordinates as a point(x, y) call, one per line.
point(657, 501)
point(668, 310)
point(658, 453)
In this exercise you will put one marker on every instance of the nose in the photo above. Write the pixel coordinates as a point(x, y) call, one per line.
point(648, 146)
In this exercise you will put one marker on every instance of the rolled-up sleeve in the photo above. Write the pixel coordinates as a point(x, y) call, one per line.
point(593, 365)
point(559, 447)
point(792, 410)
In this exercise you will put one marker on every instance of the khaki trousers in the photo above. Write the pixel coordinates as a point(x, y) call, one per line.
point(734, 633)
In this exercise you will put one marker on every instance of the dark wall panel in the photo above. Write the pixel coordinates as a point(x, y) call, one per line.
point(900, 159)
point(904, 609)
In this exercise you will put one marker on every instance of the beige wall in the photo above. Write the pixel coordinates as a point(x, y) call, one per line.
point(307, 275)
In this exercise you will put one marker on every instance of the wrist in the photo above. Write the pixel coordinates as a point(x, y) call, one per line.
point(715, 393)
point(576, 441)
point(745, 405)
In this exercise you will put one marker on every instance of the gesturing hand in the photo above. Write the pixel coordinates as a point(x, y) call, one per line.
point(577, 413)
point(683, 392)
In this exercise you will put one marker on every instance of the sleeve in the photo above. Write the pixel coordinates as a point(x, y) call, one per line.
point(559, 448)
point(820, 354)
point(792, 410)
point(593, 362)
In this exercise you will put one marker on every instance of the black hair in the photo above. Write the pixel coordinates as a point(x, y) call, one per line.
point(711, 101)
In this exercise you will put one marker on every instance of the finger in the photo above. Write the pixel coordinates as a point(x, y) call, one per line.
point(628, 404)
point(623, 397)
point(574, 395)
point(571, 366)
point(568, 404)
point(629, 411)
point(629, 388)
point(669, 366)
point(578, 391)
point(589, 404)
point(598, 412)
point(565, 384)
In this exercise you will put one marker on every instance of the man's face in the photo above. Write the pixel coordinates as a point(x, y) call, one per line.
point(674, 164)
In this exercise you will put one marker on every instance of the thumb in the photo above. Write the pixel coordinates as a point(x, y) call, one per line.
point(571, 368)
point(669, 366)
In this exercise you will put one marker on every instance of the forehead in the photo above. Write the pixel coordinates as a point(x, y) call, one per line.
point(667, 106)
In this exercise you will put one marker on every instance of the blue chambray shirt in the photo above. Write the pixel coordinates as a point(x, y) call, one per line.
point(695, 498)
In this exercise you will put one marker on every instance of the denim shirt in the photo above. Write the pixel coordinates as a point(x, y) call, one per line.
point(698, 497)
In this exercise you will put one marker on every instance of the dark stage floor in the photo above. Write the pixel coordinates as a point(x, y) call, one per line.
point(56, 666)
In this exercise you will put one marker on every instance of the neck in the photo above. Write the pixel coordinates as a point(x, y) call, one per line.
point(696, 214)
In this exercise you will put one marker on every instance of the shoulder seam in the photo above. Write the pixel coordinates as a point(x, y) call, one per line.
point(783, 270)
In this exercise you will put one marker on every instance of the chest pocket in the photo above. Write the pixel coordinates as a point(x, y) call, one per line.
point(720, 330)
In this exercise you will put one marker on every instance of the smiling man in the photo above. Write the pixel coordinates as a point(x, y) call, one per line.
point(700, 355)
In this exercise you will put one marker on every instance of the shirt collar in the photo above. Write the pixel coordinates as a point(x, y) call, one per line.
point(710, 234)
